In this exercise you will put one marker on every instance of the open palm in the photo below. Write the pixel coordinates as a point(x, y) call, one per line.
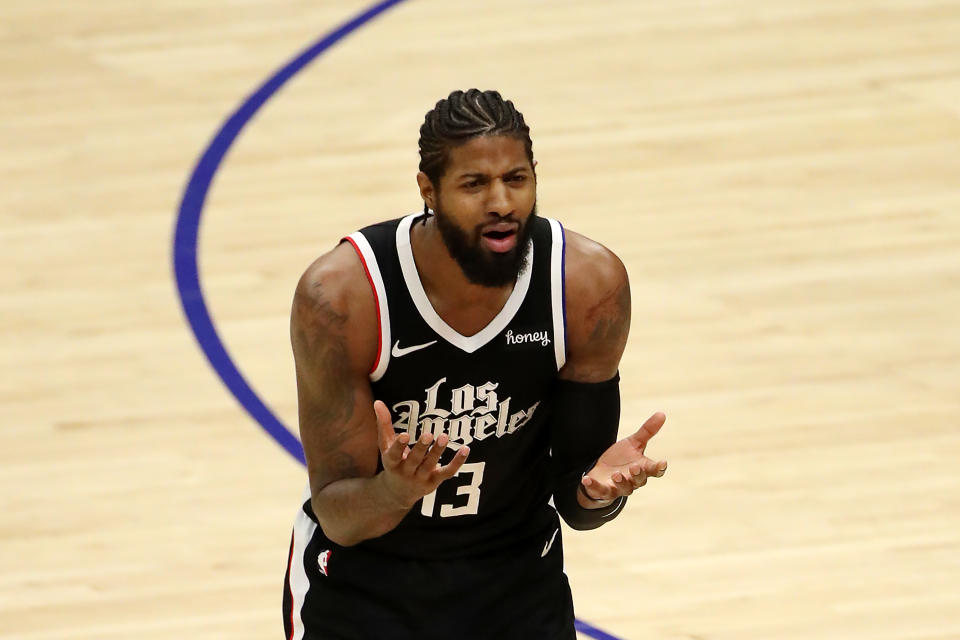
point(624, 466)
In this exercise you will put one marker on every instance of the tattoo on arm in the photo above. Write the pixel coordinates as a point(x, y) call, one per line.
point(343, 465)
point(611, 317)
point(321, 350)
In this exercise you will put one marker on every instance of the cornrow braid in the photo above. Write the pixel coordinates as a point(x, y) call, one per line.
point(464, 115)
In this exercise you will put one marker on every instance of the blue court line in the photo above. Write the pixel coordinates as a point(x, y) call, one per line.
point(186, 232)
point(592, 631)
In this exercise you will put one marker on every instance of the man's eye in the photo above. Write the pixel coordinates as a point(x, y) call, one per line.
point(473, 184)
point(517, 178)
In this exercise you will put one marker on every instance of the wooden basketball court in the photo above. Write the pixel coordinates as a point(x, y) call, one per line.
point(781, 179)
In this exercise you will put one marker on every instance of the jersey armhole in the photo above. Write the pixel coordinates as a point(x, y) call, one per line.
point(369, 261)
point(558, 291)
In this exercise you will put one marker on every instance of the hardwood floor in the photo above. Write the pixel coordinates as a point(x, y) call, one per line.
point(781, 180)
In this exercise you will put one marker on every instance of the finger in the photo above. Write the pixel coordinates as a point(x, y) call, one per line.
point(396, 452)
point(623, 484)
point(385, 431)
point(415, 457)
point(626, 488)
point(639, 480)
point(597, 490)
point(618, 485)
point(450, 469)
point(612, 490)
point(642, 467)
point(433, 456)
point(661, 468)
point(649, 467)
point(648, 429)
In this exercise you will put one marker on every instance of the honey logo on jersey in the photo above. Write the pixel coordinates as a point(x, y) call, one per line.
point(530, 337)
point(475, 413)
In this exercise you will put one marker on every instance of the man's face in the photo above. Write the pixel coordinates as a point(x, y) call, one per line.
point(484, 205)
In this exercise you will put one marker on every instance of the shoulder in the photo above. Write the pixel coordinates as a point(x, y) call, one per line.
point(332, 285)
point(333, 297)
point(597, 309)
point(591, 269)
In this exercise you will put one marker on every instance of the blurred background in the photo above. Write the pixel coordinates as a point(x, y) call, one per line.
point(781, 179)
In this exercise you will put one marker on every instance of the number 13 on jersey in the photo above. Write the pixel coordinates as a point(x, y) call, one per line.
point(470, 489)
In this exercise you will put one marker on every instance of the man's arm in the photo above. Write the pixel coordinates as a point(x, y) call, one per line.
point(598, 323)
point(598, 310)
point(333, 330)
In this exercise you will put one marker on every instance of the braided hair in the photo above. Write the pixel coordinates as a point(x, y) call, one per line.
point(464, 115)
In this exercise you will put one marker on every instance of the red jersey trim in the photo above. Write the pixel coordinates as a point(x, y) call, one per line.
point(376, 300)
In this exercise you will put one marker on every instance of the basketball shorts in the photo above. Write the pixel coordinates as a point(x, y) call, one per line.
point(348, 593)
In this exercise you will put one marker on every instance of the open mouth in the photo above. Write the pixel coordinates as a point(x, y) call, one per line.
point(501, 238)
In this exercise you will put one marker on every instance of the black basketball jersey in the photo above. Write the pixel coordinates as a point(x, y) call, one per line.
point(489, 391)
point(487, 541)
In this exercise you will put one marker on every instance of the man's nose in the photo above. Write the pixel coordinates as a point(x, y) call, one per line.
point(499, 202)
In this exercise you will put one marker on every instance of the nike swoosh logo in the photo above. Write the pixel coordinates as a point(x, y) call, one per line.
point(398, 351)
point(546, 547)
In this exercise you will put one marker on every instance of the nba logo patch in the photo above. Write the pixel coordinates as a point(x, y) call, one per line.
point(322, 561)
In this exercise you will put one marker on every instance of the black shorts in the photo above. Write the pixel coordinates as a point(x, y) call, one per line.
point(516, 593)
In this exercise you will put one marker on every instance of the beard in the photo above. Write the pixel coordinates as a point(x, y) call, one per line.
point(480, 265)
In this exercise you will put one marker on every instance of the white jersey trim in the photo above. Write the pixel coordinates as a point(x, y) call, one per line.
point(558, 291)
point(303, 529)
point(429, 314)
point(376, 279)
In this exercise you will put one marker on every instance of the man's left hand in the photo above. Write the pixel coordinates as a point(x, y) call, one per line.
point(624, 467)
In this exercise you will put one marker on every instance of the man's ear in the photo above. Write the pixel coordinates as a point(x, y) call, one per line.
point(427, 191)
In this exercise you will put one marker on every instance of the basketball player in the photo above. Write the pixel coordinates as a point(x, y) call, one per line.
point(458, 388)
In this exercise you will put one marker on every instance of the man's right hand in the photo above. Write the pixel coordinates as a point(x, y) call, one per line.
point(410, 473)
